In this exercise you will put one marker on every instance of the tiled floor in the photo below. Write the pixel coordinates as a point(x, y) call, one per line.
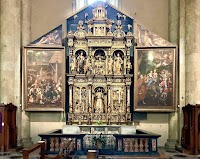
point(169, 155)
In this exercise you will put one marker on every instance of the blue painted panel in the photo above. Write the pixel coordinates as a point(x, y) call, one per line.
point(114, 14)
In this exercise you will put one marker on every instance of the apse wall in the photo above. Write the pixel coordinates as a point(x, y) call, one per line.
point(151, 14)
point(48, 14)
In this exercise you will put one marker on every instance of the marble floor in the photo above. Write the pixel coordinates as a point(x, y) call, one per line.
point(164, 155)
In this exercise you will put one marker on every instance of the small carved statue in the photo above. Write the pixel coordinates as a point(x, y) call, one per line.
point(109, 120)
point(119, 119)
point(128, 66)
point(110, 65)
point(89, 28)
point(89, 120)
point(80, 121)
point(118, 64)
point(119, 25)
point(69, 120)
point(72, 66)
point(80, 25)
point(88, 66)
point(109, 109)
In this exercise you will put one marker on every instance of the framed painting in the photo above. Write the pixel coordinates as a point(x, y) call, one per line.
point(44, 78)
point(155, 79)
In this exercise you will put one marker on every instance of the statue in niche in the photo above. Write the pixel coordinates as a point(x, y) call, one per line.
point(80, 63)
point(99, 101)
point(99, 64)
point(118, 64)
point(72, 66)
point(110, 65)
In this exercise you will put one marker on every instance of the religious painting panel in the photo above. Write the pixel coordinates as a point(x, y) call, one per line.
point(44, 78)
point(155, 79)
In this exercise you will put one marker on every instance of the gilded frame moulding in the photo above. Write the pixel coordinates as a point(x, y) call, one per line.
point(44, 78)
point(155, 76)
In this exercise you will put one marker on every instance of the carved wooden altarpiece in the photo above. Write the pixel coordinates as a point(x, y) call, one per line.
point(99, 77)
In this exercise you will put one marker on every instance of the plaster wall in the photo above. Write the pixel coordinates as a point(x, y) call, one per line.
point(48, 14)
point(44, 122)
point(151, 14)
point(156, 123)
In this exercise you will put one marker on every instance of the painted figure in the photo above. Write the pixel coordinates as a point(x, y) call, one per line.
point(141, 89)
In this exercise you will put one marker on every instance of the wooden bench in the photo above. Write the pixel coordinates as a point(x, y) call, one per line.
point(40, 145)
point(26, 151)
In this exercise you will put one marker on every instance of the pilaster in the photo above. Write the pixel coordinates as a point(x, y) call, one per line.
point(10, 52)
point(173, 38)
point(26, 36)
point(10, 57)
point(181, 71)
point(192, 51)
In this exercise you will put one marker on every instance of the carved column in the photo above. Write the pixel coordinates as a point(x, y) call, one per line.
point(10, 57)
point(107, 57)
point(173, 38)
point(70, 99)
point(109, 95)
point(192, 52)
point(128, 98)
point(124, 100)
point(26, 36)
point(10, 52)
point(89, 97)
point(125, 62)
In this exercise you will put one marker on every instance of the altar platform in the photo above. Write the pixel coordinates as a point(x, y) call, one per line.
point(114, 140)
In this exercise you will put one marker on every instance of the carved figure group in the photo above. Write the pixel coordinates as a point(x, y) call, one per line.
point(99, 65)
point(83, 65)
